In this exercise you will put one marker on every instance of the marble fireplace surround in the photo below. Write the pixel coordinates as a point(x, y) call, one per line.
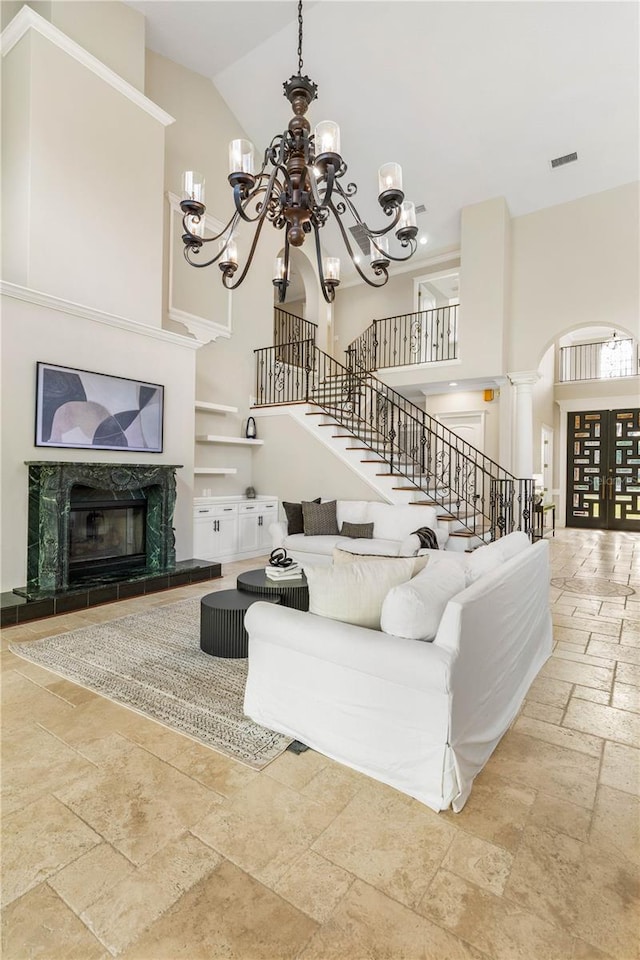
point(50, 485)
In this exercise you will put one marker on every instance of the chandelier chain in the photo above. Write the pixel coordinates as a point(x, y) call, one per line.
point(300, 38)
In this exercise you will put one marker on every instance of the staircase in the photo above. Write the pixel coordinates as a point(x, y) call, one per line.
point(406, 455)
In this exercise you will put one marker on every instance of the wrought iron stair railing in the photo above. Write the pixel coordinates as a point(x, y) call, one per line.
point(423, 337)
point(425, 456)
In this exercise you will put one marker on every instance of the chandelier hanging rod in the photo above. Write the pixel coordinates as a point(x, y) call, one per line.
point(298, 188)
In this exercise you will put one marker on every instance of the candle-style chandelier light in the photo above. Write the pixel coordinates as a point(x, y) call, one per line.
point(297, 188)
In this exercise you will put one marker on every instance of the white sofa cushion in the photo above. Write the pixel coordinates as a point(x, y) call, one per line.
point(298, 541)
point(484, 559)
point(371, 548)
point(341, 554)
point(513, 543)
point(353, 511)
point(414, 609)
point(354, 592)
point(392, 521)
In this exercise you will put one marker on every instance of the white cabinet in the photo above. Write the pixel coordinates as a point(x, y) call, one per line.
point(233, 528)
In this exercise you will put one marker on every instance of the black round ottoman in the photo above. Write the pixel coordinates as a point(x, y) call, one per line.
point(222, 632)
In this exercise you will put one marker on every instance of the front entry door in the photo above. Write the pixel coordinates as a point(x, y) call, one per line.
point(603, 469)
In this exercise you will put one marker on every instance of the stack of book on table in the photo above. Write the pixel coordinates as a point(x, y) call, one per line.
point(292, 572)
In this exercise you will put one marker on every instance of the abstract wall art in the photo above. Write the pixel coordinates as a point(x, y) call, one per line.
point(78, 408)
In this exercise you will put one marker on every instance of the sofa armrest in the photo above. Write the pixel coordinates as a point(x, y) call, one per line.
point(277, 532)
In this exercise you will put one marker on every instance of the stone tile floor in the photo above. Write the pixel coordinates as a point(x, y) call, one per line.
point(124, 839)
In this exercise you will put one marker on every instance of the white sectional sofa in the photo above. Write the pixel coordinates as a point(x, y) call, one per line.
point(421, 716)
point(393, 525)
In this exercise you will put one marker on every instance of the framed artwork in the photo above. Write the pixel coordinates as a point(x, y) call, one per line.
point(78, 408)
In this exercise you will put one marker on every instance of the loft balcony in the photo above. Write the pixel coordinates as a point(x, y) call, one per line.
point(609, 359)
point(426, 336)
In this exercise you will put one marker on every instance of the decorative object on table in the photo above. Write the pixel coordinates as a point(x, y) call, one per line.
point(80, 408)
point(279, 558)
point(250, 493)
point(127, 661)
point(251, 433)
point(299, 188)
point(427, 537)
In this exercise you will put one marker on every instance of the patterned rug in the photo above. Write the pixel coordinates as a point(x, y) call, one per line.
point(152, 663)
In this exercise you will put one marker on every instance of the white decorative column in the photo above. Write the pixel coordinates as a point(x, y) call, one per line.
point(523, 422)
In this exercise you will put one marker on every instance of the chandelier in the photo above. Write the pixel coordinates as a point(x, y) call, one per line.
point(298, 188)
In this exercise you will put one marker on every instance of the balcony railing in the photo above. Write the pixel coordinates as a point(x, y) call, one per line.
point(287, 328)
point(598, 361)
point(424, 337)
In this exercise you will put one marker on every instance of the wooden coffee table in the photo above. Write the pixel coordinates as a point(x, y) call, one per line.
point(293, 593)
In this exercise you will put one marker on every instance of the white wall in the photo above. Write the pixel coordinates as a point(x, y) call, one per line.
point(470, 401)
point(94, 176)
point(574, 264)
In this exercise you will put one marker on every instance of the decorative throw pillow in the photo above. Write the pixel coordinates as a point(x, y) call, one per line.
point(345, 556)
point(354, 592)
point(357, 530)
point(414, 609)
point(319, 519)
point(294, 516)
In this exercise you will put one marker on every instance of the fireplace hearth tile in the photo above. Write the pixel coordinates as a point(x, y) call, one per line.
point(15, 608)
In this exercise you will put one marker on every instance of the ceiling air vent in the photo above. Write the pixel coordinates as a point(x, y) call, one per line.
point(560, 161)
point(420, 208)
point(361, 237)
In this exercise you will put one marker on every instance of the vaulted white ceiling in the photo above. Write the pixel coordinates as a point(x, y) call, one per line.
point(472, 98)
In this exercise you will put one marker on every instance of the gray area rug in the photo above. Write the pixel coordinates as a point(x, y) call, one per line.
point(152, 662)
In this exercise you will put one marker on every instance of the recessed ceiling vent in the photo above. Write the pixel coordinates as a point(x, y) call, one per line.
point(361, 237)
point(560, 161)
point(420, 208)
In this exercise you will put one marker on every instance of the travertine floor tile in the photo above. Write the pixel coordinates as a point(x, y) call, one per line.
point(543, 766)
point(497, 810)
point(334, 786)
point(621, 768)
point(559, 735)
point(614, 651)
point(368, 924)
point(392, 842)
point(578, 886)
point(215, 770)
point(137, 802)
point(296, 770)
point(92, 875)
point(548, 690)
point(607, 722)
point(572, 671)
point(264, 828)
point(552, 813)
point(590, 693)
point(616, 823)
point(628, 673)
point(478, 861)
point(542, 711)
point(38, 841)
point(39, 926)
point(29, 699)
point(226, 915)
point(124, 911)
point(314, 885)
point(626, 697)
point(34, 763)
point(501, 929)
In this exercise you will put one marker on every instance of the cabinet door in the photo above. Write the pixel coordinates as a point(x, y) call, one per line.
point(264, 537)
point(225, 536)
point(203, 538)
point(247, 532)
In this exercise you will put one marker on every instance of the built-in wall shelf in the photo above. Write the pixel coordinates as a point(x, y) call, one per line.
point(208, 438)
point(214, 407)
point(210, 471)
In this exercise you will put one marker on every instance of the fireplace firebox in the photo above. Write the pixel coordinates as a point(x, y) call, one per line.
point(106, 534)
point(94, 522)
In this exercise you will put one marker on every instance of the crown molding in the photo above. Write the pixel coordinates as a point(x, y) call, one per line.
point(27, 19)
point(204, 330)
point(27, 295)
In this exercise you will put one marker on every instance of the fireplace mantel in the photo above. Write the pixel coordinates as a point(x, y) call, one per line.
point(50, 485)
